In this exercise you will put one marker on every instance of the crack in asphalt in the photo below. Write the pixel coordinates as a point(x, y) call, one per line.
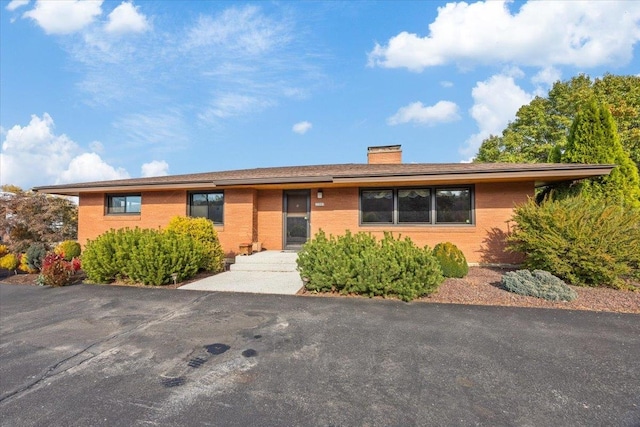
point(50, 372)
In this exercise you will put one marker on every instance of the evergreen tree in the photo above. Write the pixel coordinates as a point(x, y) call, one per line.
point(593, 139)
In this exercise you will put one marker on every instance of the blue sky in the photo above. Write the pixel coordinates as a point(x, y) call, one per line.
point(93, 90)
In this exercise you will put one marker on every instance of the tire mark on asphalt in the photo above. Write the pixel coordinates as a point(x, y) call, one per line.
point(53, 372)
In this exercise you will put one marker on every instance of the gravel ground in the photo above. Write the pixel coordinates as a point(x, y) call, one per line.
point(482, 286)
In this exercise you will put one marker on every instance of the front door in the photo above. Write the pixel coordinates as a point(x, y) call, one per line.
point(296, 218)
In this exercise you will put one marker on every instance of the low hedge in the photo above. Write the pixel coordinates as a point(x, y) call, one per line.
point(360, 264)
point(141, 255)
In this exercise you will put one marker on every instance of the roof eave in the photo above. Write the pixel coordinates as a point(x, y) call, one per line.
point(541, 177)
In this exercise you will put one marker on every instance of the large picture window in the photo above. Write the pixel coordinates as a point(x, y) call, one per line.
point(427, 205)
point(207, 205)
point(122, 204)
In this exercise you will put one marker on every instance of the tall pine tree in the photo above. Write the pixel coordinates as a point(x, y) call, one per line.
point(594, 139)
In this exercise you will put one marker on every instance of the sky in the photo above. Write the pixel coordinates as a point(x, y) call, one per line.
point(100, 90)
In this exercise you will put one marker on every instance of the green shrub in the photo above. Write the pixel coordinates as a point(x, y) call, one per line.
point(451, 259)
point(105, 258)
point(141, 255)
point(204, 233)
point(159, 255)
point(583, 241)
point(24, 265)
point(9, 262)
point(358, 263)
point(35, 254)
point(69, 249)
point(539, 284)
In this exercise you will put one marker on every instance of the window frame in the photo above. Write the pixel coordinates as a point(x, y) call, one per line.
point(190, 195)
point(433, 213)
point(110, 197)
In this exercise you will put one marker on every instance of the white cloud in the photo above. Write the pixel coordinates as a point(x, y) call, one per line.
point(302, 127)
point(96, 146)
point(416, 112)
point(496, 102)
point(163, 130)
point(446, 83)
point(155, 168)
point(547, 76)
point(233, 104)
point(243, 30)
point(15, 4)
point(125, 18)
point(56, 157)
point(64, 17)
point(541, 33)
point(90, 167)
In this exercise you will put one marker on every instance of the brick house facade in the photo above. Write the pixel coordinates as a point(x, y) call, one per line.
point(467, 204)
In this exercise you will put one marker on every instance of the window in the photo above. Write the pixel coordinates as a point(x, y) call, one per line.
point(124, 204)
point(377, 206)
point(207, 205)
point(414, 205)
point(437, 205)
point(453, 206)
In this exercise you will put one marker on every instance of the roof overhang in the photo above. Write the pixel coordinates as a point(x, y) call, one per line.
point(539, 175)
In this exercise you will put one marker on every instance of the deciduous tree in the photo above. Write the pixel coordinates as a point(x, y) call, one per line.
point(28, 217)
point(543, 125)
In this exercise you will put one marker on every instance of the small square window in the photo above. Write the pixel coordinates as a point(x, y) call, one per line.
point(124, 204)
point(207, 205)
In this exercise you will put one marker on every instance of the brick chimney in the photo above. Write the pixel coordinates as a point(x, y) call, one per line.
point(385, 154)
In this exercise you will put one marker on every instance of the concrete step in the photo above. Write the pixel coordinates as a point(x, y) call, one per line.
point(263, 267)
point(266, 261)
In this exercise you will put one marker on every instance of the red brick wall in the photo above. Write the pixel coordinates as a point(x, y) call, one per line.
point(384, 157)
point(256, 215)
point(239, 226)
point(481, 243)
point(270, 219)
point(158, 207)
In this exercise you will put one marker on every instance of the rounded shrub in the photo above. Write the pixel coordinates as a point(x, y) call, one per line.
point(55, 270)
point(24, 265)
point(451, 259)
point(35, 255)
point(360, 264)
point(539, 284)
point(3, 250)
point(204, 233)
point(9, 262)
point(584, 241)
point(68, 249)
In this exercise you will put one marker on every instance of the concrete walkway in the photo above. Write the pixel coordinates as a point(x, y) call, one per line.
point(267, 272)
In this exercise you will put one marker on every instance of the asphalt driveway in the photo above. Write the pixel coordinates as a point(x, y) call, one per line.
point(103, 355)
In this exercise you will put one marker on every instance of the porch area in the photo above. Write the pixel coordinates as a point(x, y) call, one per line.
point(266, 272)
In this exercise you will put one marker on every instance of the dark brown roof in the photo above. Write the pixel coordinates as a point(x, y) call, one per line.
point(346, 173)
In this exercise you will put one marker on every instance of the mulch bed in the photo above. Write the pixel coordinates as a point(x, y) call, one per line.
point(482, 286)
